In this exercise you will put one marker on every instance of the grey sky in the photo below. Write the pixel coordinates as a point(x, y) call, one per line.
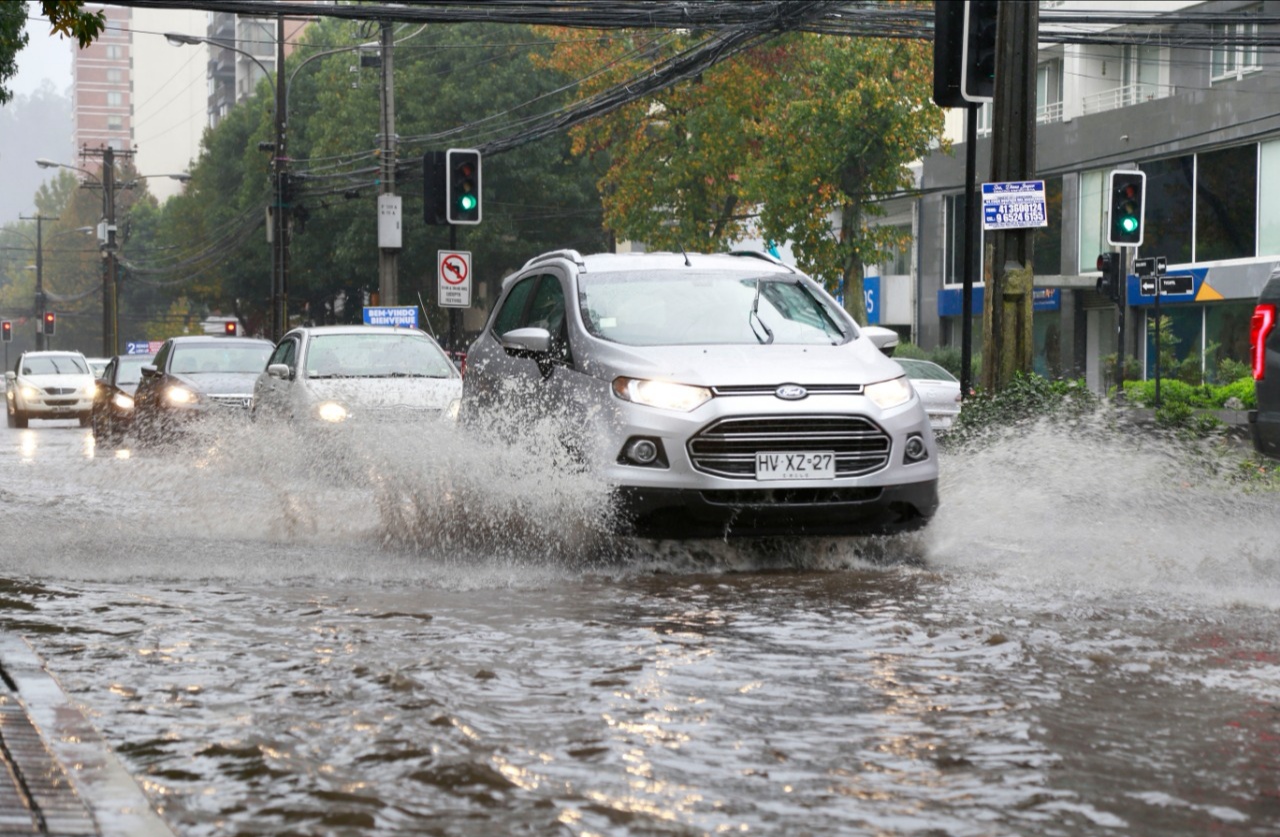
point(44, 57)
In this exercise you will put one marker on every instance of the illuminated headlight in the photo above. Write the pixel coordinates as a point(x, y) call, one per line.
point(450, 413)
point(30, 393)
point(662, 394)
point(332, 411)
point(888, 394)
point(123, 401)
point(180, 395)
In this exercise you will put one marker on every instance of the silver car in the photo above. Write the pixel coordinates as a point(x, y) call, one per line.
point(938, 390)
point(328, 375)
point(49, 385)
point(718, 395)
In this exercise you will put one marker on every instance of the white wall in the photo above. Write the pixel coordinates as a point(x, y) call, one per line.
point(170, 94)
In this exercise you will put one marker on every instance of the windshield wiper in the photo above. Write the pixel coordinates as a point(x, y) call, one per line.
point(755, 317)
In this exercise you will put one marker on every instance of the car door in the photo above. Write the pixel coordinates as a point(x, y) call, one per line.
point(491, 372)
point(146, 398)
point(272, 396)
point(102, 394)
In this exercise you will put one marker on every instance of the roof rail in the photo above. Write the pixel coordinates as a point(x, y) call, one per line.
point(572, 255)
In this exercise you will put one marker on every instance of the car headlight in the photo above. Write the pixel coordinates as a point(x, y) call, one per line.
point(332, 411)
point(180, 395)
point(30, 393)
point(665, 395)
point(888, 394)
point(123, 401)
point(450, 413)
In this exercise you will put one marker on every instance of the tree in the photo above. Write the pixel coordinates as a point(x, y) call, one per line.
point(67, 18)
point(795, 140)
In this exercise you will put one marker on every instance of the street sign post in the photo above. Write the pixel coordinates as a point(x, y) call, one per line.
point(1014, 205)
point(454, 273)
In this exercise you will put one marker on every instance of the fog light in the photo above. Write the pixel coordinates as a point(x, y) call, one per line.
point(642, 452)
point(916, 450)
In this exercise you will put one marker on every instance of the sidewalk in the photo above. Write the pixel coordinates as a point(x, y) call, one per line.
point(58, 776)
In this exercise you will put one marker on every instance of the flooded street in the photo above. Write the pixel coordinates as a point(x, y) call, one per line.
point(421, 634)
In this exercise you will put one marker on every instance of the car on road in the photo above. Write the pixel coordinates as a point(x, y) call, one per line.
point(97, 365)
point(112, 414)
point(49, 385)
point(716, 395)
point(938, 389)
point(195, 376)
point(330, 375)
point(1264, 349)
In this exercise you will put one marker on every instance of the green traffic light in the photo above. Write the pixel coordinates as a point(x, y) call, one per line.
point(1129, 224)
point(467, 203)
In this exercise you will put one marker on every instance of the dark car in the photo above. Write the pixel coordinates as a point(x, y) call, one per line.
point(195, 376)
point(112, 414)
point(1264, 348)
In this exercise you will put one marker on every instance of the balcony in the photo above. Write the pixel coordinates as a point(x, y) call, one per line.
point(1121, 97)
point(1052, 112)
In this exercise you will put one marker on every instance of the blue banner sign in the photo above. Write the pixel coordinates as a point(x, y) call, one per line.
point(871, 296)
point(402, 315)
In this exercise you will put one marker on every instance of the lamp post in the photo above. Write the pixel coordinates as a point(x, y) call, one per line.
point(107, 241)
point(279, 221)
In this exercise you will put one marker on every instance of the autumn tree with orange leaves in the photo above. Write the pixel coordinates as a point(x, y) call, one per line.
point(796, 140)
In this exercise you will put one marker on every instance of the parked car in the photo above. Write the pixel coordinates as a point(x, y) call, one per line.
point(97, 365)
point(718, 395)
point(1264, 348)
point(112, 414)
point(938, 389)
point(194, 376)
point(49, 385)
point(334, 374)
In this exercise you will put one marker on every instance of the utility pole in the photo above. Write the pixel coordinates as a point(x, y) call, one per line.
point(280, 218)
point(388, 256)
point(40, 299)
point(107, 241)
point(1008, 309)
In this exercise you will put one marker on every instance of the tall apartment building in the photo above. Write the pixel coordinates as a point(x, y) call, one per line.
point(1203, 122)
point(102, 93)
point(234, 73)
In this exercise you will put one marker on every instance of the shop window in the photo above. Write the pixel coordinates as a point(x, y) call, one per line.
point(1047, 241)
point(1167, 228)
point(1269, 200)
point(953, 269)
point(1226, 204)
point(1093, 236)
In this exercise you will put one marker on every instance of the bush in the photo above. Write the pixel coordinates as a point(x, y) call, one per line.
point(1028, 397)
point(1191, 396)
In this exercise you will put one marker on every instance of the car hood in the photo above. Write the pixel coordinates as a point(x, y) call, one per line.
point(857, 362)
point(219, 383)
point(80, 382)
point(422, 393)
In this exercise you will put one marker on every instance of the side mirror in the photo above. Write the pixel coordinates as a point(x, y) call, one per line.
point(10, 377)
point(884, 339)
point(527, 342)
point(150, 371)
point(279, 370)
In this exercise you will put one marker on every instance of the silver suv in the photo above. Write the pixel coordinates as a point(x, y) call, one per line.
point(718, 395)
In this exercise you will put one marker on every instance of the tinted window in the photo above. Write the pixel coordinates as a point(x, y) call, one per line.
point(513, 307)
point(1226, 203)
point(1167, 228)
point(389, 355)
point(284, 353)
point(218, 357)
point(924, 370)
point(129, 369)
point(691, 307)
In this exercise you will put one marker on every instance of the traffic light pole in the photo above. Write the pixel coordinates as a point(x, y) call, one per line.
point(1122, 294)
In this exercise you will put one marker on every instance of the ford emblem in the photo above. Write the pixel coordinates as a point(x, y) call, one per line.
point(791, 392)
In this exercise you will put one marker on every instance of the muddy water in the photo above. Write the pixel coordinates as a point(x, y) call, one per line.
point(421, 634)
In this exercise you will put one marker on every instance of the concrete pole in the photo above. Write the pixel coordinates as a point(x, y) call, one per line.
point(1008, 307)
point(109, 273)
point(388, 259)
point(280, 219)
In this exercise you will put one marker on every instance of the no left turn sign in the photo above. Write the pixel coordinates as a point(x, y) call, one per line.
point(454, 271)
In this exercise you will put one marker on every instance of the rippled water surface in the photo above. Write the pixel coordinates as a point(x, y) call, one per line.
point(417, 633)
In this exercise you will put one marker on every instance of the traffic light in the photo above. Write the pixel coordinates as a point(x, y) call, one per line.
point(978, 51)
point(463, 186)
point(50, 322)
point(229, 328)
point(434, 187)
point(948, 53)
point(6, 331)
point(1128, 196)
point(1109, 281)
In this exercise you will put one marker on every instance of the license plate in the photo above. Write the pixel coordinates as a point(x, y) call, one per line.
point(62, 409)
point(819, 465)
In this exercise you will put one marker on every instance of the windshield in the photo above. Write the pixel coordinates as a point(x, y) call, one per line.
point(129, 369)
point(924, 370)
point(390, 355)
point(698, 307)
point(54, 365)
point(218, 357)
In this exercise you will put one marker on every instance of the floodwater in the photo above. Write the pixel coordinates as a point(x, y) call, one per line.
point(414, 633)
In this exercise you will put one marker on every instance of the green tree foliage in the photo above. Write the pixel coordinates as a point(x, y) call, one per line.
point(67, 18)
point(455, 86)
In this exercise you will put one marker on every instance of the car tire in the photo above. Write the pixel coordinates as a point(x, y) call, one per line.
point(85, 418)
point(19, 419)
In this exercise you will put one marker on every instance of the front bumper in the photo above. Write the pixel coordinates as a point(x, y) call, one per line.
point(801, 510)
point(54, 406)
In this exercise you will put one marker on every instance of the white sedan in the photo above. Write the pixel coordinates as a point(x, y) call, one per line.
point(938, 390)
point(330, 375)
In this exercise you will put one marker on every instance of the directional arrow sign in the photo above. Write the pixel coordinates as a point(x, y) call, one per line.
point(1179, 283)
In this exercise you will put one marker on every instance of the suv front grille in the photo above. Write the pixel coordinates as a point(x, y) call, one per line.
point(728, 447)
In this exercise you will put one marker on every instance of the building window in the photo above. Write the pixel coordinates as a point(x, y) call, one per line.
point(953, 260)
point(1047, 241)
point(984, 118)
point(115, 123)
point(1049, 91)
point(1093, 230)
point(1167, 228)
point(1226, 204)
point(115, 52)
point(897, 256)
point(1269, 200)
point(114, 75)
point(114, 99)
point(1232, 58)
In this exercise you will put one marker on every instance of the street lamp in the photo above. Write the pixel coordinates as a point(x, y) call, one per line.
point(280, 225)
